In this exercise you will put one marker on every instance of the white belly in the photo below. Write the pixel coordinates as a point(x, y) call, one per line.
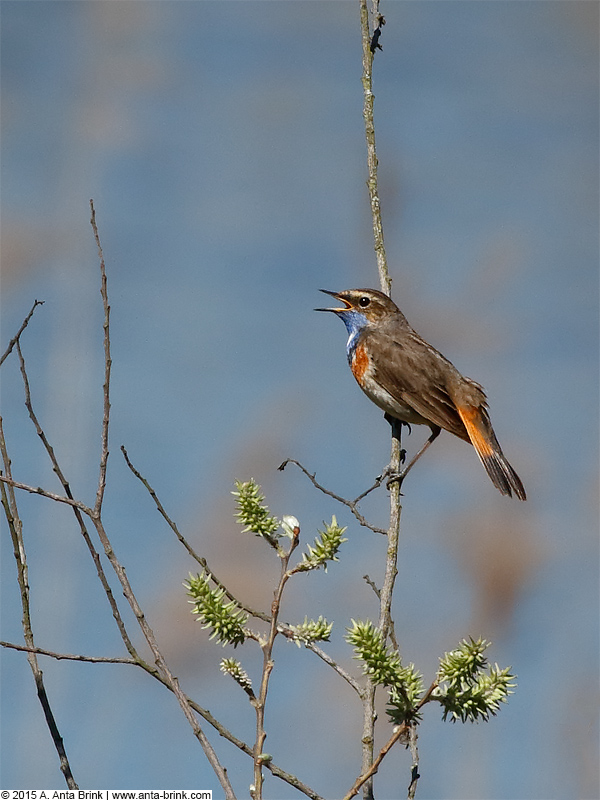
point(389, 404)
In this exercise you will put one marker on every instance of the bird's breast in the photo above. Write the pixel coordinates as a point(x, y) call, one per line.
point(359, 362)
point(365, 374)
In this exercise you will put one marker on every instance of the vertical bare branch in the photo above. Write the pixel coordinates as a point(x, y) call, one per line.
point(15, 526)
point(393, 536)
point(372, 163)
point(386, 283)
point(368, 700)
point(393, 533)
point(414, 751)
point(107, 366)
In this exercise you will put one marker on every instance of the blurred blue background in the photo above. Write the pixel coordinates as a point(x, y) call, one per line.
point(223, 145)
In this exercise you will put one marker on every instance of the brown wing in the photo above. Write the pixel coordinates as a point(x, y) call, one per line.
point(418, 375)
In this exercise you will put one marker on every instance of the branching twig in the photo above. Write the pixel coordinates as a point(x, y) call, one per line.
point(45, 493)
point(77, 511)
point(160, 661)
point(221, 729)
point(17, 336)
point(351, 504)
point(370, 42)
point(386, 283)
point(167, 677)
point(281, 628)
point(400, 732)
point(95, 517)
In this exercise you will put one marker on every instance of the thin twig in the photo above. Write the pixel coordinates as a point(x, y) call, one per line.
point(362, 779)
point(378, 481)
point(392, 631)
point(107, 366)
point(199, 559)
point(49, 495)
point(9, 504)
point(373, 586)
point(17, 336)
point(351, 504)
point(268, 664)
point(69, 656)
point(358, 688)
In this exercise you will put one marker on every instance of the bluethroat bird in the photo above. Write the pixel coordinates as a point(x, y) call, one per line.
point(413, 383)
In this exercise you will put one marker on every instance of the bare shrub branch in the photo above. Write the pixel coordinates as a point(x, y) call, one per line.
point(9, 504)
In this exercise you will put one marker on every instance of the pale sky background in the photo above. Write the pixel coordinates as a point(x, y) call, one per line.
point(223, 145)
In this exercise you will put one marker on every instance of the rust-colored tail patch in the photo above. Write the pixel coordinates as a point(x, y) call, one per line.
point(483, 439)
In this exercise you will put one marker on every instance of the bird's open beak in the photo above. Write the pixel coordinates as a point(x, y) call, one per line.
point(337, 297)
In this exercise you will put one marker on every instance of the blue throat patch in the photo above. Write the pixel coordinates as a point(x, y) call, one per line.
point(355, 322)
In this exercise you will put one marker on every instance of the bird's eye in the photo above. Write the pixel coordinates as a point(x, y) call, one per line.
point(364, 301)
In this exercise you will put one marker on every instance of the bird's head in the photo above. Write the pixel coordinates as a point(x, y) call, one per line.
point(362, 306)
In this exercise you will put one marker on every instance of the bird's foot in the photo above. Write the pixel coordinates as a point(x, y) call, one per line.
point(394, 477)
point(384, 474)
point(391, 474)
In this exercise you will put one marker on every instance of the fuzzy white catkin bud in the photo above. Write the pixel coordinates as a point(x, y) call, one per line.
point(290, 525)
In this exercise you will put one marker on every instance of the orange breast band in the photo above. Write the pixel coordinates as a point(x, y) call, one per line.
point(360, 363)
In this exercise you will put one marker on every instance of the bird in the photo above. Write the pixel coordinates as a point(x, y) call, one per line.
point(414, 383)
